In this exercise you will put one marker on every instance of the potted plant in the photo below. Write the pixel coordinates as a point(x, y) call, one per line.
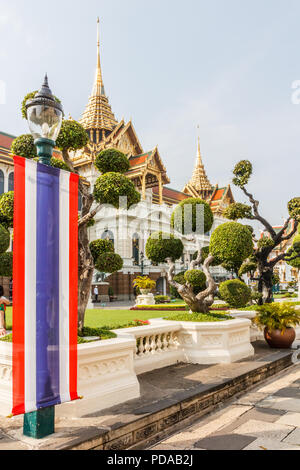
point(277, 320)
point(145, 284)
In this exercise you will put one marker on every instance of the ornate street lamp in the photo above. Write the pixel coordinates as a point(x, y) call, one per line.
point(44, 116)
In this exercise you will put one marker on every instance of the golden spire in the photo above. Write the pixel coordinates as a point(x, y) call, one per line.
point(98, 88)
point(199, 179)
point(98, 114)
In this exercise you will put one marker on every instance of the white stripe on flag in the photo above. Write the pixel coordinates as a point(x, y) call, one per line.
point(64, 313)
point(30, 285)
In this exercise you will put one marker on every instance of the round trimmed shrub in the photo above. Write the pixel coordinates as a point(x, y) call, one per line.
point(109, 263)
point(4, 239)
point(6, 264)
point(98, 247)
point(72, 136)
point(161, 246)
point(196, 278)
point(111, 186)
point(183, 221)
point(24, 146)
point(7, 209)
point(112, 161)
point(235, 293)
point(231, 243)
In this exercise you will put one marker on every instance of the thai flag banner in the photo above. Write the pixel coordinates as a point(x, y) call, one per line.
point(45, 277)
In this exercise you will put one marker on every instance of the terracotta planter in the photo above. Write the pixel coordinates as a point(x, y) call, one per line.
point(276, 339)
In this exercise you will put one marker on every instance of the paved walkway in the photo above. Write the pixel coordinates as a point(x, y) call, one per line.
point(268, 418)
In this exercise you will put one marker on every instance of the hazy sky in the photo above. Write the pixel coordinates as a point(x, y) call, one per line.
point(225, 65)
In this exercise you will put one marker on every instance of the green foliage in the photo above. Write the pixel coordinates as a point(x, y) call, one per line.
point(161, 246)
point(231, 243)
point(109, 263)
point(196, 279)
point(294, 251)
point(198, 317)
point(24, 146)
point(294, 208)
point(265, 242)
point(205, 253)
point(235, 293)
point(144, 282)
point(111, 186)
point(7, 209)
point(112, 161)
point(256, 296)
point(4, 239)
point(98, 247)
point(180, 279)
point(72, 136)
point(238, 211)
point(56, 163)
point(6, 264)
point(187, 218)
point(247, 267)
point(28, 97)
point(275, 278)
point(277, 316)
point(242, 171)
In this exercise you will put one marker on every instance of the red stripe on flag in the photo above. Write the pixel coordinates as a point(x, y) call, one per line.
point(73, 283)
point(19, 289)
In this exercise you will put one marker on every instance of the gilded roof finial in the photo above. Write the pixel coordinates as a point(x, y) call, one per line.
point(98, 89)
point(199, 179)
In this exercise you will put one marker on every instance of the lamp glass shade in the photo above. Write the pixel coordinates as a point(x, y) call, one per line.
point(44, 121)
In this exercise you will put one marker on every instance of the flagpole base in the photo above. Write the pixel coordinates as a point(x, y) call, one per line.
point(39, 424)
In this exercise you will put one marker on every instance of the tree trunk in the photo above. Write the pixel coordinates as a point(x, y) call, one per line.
point(265, 286)
point(85, 273)
point(299, 285)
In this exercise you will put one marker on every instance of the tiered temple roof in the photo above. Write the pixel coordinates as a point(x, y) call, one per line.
point(199, 185)
point(98, 118)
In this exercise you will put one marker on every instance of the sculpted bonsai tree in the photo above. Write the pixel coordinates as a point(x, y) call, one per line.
point(196, 287)
point(111, 185)
point(262, 256)
point(104, 256)
point(293, 257)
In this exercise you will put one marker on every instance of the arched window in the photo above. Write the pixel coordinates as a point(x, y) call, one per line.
point(79, 202)
point(136, 249)
point(1, 182)
point(108, 235)
point(11, 181)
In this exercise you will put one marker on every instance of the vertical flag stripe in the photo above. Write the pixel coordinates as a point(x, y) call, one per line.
point(47, 286)
point(30, 287)
point(64, 235)
point(19, 287)
point(73, 284)
point(45, 294)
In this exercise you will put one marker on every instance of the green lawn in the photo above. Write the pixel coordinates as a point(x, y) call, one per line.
point(106, 318)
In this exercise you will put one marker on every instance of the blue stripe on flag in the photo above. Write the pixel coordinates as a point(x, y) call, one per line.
point(47, 287)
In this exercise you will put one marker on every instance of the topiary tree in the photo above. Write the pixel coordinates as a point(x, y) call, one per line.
point(235, 293)
point(109, 263)
point(195, 287)
point(231, 243)
point(293, 258)
point(108, 189)
point(262, 253)
point(98, 247)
